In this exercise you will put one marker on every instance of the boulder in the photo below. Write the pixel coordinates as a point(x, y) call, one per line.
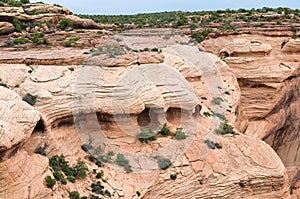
point(6, 28)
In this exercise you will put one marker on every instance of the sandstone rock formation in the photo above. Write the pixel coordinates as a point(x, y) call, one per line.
point(270, 92)
point(6, 28)
point(75, 101)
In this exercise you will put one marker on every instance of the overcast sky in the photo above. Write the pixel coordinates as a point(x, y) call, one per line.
point(145, 6)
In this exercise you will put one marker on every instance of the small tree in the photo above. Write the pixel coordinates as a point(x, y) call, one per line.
point(50, 182)
point(65, 24)
point(17, 24)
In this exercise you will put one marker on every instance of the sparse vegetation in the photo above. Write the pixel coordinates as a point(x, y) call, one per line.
point(39, 38)
point(74, 195)
point(20, 40)
point(179, 134)
point(165, 131)
point(123, 162)
point(225, 128)
point(212, 145)
point(61, 168)
point(146, 135)
point(65, 24)
point(50, 182)
point(71, 41)
point(200, 36)
point(242, 184)
point(17, 24)
point(217, 100)
point(164, 163)
point(173, 176)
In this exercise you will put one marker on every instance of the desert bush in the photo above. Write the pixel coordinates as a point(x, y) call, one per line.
point(59, 176)
point(39, 38)
point(217, 100)
point(24, 1)
point(242, 184)
point(14, 3)
point(17, 24)
point(30, 99)
point(74, 195)
point(107, 157)
point(123, 162)
point(20, 40)
point(86, 147)
point(212, 145)
point(179, 134)
point(200, 36)
point(146, 135)
point(225, 128)
point(164, 163)
point(71, 179)
point(71, 41)
point(50, 182)
point(80, 169)
point(94, 197)
point(165, 130)
point(173, 176)
point(57, 5)
point(65, 24)
point(97, 188)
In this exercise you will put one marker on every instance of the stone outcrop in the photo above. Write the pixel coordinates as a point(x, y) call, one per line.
point(18, 120)
point(181, 77)
point(270, 92)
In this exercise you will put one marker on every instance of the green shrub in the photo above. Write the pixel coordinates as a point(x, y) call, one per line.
point(225, 128)
point(217, 100)
point(212, 145)
point(100, 174)
point(94, 197)
point(200, 36)
point(50, 182)
point(123, 162)
point(24, 1)
point(57, 5)
point(97, 188)
point(164, 163)
point(86, 147)
point(146, 135)
point(66, 24)
point(242, 184)
point(20, 40)
point(165, 130)
point(39, 38)
point(17, 24)
point(71, 41)
point(14, 3)
point(80, 169)
point(61, 39)
point(74, 195)
point(59, 176)
point(173, 176)
point(30, 99)
point(71, 179)
point(179, 134)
